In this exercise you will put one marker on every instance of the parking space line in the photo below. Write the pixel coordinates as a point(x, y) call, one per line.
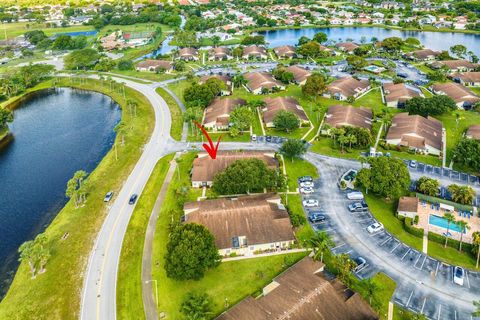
point(395, 247)
point(436, 270)
point(341, 245)
point(439, 312)
point(423, 262)
point(349, 251)
point(385, 241)
point(363, 220)
point(409, 298)
point(418, 258)
point(423, 305)
point(406, 253)
point(468, 281)
point(455, 313)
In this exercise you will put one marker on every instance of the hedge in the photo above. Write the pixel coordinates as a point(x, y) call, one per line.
point(417, 232)
point(457, 206)
point(451, 242)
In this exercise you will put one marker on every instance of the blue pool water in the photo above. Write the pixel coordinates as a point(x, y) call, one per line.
point(442, 223)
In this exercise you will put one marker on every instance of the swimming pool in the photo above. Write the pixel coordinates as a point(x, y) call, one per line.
point(442, 223)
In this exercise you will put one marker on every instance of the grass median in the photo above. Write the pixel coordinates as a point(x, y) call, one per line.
point(175, 112)
point(56, 293)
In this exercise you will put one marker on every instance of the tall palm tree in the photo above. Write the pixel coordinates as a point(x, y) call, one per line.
point(370, 289)
point(450, 218)
point(464, 226)
point(320, 242)
point(476, 243)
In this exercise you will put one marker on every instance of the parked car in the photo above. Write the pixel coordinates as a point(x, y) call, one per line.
point(268, 138)
point(358, 207)
point(254, 137)
point(307, 184)
point(306, 190)
point(458, 274)
point(310, 203)
point(108, 196)
point(305, 179)
point(361, 263)
point(355, 195)
point(133, 199)
point(375, 227)
point(316, 217)
point(413, 163)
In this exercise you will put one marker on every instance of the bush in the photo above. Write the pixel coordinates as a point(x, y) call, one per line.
point(296, 219)
point(417, 232)
point(452, 243)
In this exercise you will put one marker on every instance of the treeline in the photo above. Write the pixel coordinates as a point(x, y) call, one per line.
point(16, 82)
point(62, 42)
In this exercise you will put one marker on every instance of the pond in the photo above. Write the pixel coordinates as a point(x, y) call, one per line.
point(56, 132)
point(430, 39)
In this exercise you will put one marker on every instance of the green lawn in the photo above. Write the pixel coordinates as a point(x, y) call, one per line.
point(298, 168)
point(428, 159)
point(325, 145)
point(385, 286)
point(129, 283)
point(231, 280)
point(175, 113)
point(152, 76)
point(372, 100)
point(18, 28)
point(451, 255)
point(56, 293)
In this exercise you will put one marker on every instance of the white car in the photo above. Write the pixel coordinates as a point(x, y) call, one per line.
point(375, 227)
point(310, 203)
point(306, 184)
point(458, 274)
point(413, 163)
point(306, 190)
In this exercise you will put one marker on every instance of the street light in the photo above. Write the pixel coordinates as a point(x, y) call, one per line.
point(156, 290)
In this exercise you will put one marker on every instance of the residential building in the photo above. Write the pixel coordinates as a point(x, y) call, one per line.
point(219, 54)
point(188, 54)
point(155, 65)
point(347, 47)
point(285, 52)
point(274, 105)
point(303, 292)
point(417, 133)
point(346, 87)
point(227, 81)
point(340, 116)
point(260, 82)
point(422, 55)
point(471, 79)
point(244, 225)
point(254, 52)
point(407, 207)
point(300, 74)
point(473, 132)
point(217, 114)
point(455, 65)
point(204, 169)
point(464, 98)
point(396, 95)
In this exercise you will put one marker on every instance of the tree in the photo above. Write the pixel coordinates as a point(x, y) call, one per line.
point(363, 179)
point(27, 255)
point(357, 63)
point(242, 117)
point(320, 242)
point(249, 40)
point(185, 38)
point(302, 40)
point(464, 226)
point(314, 86)
point(105, 65)
point(433, 106)
point(370, 288)
point(6, 116)
point(320, 37)
point(413, 42)
point(344, 265)
point(286, 121)
point(428, 186)
point(461, 194)
point(450, 219)
point(476, 245)
point(191, 251)
point(76, 189)
point(198, 96)
point(179, 65)
point(196, 306)
point(310, 49)
point(239, 80)
point(437, 76)
point(245, 176)
point(459, 50)
point(293, 148)
point(392, 44)
point(476, 304)
point(83, 59)
point(237, 52)
point(35, 253)
point(124, 64)
point(467, 153)
point(282, 74)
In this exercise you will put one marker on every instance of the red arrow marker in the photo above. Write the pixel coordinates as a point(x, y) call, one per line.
point(211, 149)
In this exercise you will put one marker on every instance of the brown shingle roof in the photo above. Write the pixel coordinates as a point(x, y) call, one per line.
point(339, 116)
point(347, 46)
point(455, 64)
point(205, 169)
point(408, 204)
point(258, 80)
point(303, 293)
point(254, 50)
point(219, 110)
point(260, 218)
point(423, 54)
point(219, 52)
point(163, 64)
point(275, 105)
point(398, 92)
point(474, 132)
point(456, 91)
point(347, 86)
point(224, 78)
point(285, 51)
point(416, 131)
point(185, 52)
point(299, 74)
point(468, 76)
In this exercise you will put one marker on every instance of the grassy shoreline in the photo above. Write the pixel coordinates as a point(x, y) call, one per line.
point(56, 293)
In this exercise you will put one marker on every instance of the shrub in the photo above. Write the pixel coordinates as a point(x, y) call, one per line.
point(452, 243)
point(417, 232)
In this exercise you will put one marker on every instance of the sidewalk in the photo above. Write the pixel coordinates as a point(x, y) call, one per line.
point(276, 253)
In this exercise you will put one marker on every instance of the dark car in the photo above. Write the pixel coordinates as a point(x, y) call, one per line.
point(316, 217)
point(268, 138)
point(133, 199)
point(360, 262)
point(305, 179)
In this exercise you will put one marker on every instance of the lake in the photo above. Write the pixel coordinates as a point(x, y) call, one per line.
point(432, 40)
point(56, 133)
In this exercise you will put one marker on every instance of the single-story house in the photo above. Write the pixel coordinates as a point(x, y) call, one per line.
point(244, 225)
point(285, 52)
point(463, 97)
point(397, 94)
point(340, 116)
point(303, 292)
point(407, 207)
point(217, 114)
point(254, 52)
point(455, 65)
point(275, 105)
point(343, 88)
point(258, 82)
point(227, 80)
point(300, 74)
point(473, 132)
point(422, 55)
point(154, 65)
point(188, 54)
point(204, 169)
point(347, 47)
point(416, 132)
point(219, 53)
point(471, 79)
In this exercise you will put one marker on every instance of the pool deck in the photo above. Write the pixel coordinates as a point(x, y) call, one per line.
point(424, 211)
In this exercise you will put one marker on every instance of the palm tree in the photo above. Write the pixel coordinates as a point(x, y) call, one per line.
point(344, 265)
point(464, 226)
point(476, 304)
point(476, 243)
point(450, 218)
point(27, 251)
point(370, 289)
point(239, 80)
point(320, 242)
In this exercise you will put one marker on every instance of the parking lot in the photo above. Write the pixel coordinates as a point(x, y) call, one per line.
point(425, 285)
